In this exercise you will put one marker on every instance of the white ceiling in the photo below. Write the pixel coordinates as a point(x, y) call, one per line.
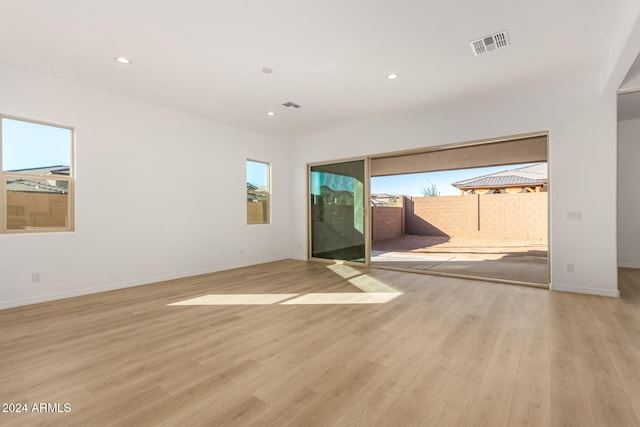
point(331, 57)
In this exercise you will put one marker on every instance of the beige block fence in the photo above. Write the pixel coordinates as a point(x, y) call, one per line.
point(521, 216)
point(36, 210)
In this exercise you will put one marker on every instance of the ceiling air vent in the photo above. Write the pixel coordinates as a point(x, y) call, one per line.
point(290, 105)
point(490, 43)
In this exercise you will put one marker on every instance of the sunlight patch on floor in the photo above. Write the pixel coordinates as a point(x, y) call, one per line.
point(237, 299)
point(369, 284)
point(344, 298)
point(373, 292)
point(344, 271)
point(292, 299)
point(362, 281)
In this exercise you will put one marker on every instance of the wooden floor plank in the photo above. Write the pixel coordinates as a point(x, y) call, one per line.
point(442, 352)
point(530, 407)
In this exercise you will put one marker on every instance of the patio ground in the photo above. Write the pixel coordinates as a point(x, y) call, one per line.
point(516, 260)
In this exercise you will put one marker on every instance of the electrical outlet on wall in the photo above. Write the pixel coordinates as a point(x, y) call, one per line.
point(574, 215)
point(36, 277)
point(568, 268)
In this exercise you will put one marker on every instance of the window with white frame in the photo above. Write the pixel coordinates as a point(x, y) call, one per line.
point(258, 192)
point(37, 176)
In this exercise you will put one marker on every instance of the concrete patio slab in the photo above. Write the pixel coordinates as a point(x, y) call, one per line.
point(501, 259)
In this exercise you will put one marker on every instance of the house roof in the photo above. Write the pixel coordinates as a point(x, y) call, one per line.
point(46, 170)
point(526, 176)
point(21, 185)
point(28, 185)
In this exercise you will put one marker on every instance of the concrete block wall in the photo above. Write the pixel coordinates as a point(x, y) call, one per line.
point(515, 216)
point(388, 222)
point(442, 215)
point(28, 209)
point(257, 212)
point(521, 216)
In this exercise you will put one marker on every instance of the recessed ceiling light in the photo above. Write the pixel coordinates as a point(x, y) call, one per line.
point(392, 76)
point(267, 70)
point(270, 113)
point(122, 60)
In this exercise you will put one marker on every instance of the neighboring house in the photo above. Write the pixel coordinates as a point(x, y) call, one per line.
point(383, 199)
point(45, 185)
point(528, 179)
point(251, 192)
point(336, 197)
point(256, 193)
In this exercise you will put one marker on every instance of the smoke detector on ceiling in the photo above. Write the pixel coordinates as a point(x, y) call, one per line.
point(290, 105)
point(490, 43)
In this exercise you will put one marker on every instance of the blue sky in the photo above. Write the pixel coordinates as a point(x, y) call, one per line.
point(410, 184)
point(257, 173)
point(31, 145)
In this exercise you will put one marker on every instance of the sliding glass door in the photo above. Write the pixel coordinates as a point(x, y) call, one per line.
point(338, 207)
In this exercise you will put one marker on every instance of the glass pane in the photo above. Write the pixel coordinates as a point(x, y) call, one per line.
point(257, 208)
point(37, 203)
point(257, 192)
point(337, 211)
point(34, 148)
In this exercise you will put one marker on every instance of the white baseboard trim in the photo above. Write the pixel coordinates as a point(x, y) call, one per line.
point(628, 265)
point(129, 284)
point(588, 291)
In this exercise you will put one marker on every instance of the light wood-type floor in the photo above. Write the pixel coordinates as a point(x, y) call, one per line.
point(269, 345)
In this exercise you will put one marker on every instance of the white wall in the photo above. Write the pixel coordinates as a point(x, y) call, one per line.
point(629, 194)
point(582, 130)
point(159, 194)
point(135, 159)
